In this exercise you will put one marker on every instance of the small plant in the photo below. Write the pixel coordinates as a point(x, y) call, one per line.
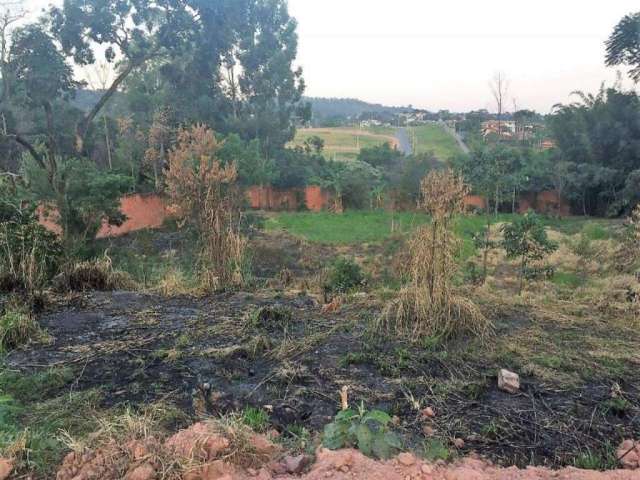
point(605, 459)
point(367, 431)
point(255, 418)
point(434, 449)
point(526, 239)
point(269, 316)
point(344, 275)
point(96, 274)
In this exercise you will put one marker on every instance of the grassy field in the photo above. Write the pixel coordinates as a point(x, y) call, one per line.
point(433, 138)
point(355, 227)
point(344, 143)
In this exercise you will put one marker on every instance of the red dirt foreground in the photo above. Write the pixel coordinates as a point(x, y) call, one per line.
point(201, 452)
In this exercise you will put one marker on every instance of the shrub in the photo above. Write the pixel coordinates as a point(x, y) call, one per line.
point(367, 431)
point(526, 239)
point(344, 275)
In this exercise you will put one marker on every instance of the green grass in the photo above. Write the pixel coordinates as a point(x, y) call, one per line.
point(36, 409)
point(351, 227)
point(566, 279)
point(344, 143)
point(433, 138)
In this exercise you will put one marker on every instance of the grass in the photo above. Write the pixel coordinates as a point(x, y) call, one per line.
point(433, 138)
point(344, 143)
point(42, 402)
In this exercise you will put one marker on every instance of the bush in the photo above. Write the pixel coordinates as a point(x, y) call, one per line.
point(344, 275)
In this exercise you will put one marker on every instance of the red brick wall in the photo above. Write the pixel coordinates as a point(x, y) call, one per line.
point(268, 198)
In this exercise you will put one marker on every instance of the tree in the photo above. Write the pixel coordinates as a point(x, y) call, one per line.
point(380, 156)
point(526, 239)
point(499, 86)
point(42, 74)
point(623, 46)
point(599, 138)
point(128, 32)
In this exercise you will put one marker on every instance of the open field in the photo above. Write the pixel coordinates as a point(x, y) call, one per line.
point(273, 349)
point(432, 138)
point(344, 143)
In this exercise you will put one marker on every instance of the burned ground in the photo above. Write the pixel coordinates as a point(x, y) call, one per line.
point(277, 351)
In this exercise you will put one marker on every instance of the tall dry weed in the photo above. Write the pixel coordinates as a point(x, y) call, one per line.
point(429, 304)
point(204, 193)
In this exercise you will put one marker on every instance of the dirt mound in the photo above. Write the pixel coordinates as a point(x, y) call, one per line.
point(205, 451)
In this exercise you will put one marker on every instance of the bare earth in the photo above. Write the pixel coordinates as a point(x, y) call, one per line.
point(205, 454)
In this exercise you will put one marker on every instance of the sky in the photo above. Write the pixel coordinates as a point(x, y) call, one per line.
point(437, 54)
point(442, 54)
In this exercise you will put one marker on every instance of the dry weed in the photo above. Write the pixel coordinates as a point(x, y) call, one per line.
point(428, 305)
point(94, 275)
point(204, 193)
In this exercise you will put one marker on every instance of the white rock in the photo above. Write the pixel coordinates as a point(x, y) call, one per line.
point(508, 381)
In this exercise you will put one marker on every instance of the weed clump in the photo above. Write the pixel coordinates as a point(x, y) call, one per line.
point(96, 274)
point(428, 306)
point(344, 275)
point(17, 327)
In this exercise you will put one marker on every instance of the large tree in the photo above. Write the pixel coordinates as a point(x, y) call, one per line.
point(623, 46)
point(127, 33)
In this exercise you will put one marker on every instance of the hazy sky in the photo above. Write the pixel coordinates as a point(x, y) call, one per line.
point(441, 54)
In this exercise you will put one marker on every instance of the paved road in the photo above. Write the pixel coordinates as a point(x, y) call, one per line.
point(403, 140)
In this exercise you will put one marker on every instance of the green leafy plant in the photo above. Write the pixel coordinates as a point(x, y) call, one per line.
point(526, 239)
point(368, 431)
point(345, 275)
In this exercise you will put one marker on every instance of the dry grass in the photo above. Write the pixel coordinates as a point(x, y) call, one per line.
point(18, 327)
point(94, 275)
point(204, 193)
point(429, 305)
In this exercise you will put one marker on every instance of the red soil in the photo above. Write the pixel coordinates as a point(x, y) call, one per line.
point(206, 452)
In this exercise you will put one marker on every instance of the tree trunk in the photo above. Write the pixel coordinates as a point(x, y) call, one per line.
point(83, 125)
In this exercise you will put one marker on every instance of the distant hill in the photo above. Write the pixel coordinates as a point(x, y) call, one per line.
point(346, 107)
point(323, 108)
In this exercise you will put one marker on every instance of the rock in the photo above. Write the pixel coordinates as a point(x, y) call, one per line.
point(628, 453)
point(508, 381)
point(428, 431)
point(428, 413)
point(296, 465)
point(407, 459)
point(426, 469)
point(458, 442)
point(6, 466)
point(143, 472)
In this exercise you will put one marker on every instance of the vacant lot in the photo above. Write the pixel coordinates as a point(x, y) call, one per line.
point(433, 138)
point(277, 358)
point(345, 143)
